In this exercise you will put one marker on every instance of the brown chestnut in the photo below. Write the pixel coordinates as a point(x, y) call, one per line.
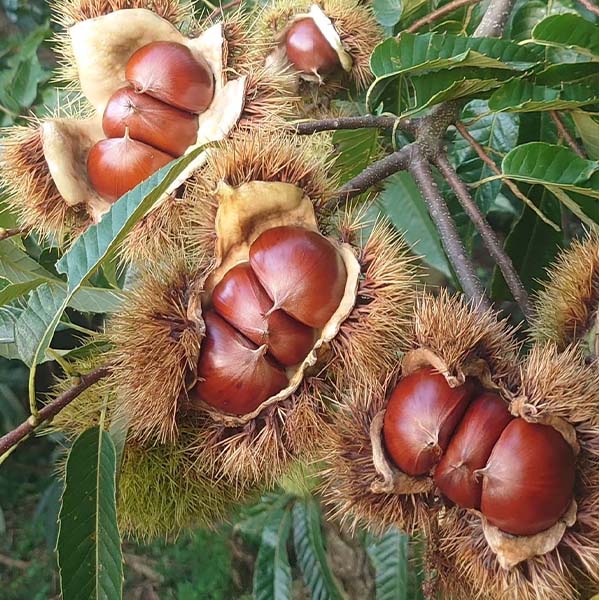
point(420, 417)
point(302, 272)
point(150, 121)
point(171, 73)
point(117, 165)
point(242, 302)
point(529, 478)
point(234, 375)
point(308, 49)
point(469, 450)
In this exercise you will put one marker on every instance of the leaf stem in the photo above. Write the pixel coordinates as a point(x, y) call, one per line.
point(14, 437)
point(562, 130)
point(488, 236)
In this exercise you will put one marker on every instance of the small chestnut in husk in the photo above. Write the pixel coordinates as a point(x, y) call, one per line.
point(421, 415)
point(117, 165)
point(529, 478)
point(234, 375)
point(308, 49)
point(301, 271)
point(242, 301)
point(470, 448)
point(150, 121)
point(169, 72)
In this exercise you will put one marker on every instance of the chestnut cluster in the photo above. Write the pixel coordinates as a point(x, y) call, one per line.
point(308, 49)
point(152, 120)
point(520, 475)
point(264, 317)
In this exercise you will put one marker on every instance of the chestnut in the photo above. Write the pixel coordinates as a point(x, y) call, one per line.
point(242, 302)
point(169, 72)
point(150, 121)
point(117, 165)
point(302, 272)
point(529, 478)
point(234, 375)
point(470, 448)
point(422, 412)
point(308, 49)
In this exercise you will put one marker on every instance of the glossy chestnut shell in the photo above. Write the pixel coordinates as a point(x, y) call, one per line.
point(308, 49)
point(421, 415)
point(115, 166)
point(301, 271)
point(150, 121)
point(529, 478)
point(469, 450)
point(242, 301)
point(234, 375)
point(169, 72)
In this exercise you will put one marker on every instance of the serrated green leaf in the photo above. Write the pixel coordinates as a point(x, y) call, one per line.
point(16, 290)
point(587, 127)
point(355, 150)
point(568, 31)
point(387, 12)
point(96, 300)
point(89, 545)
point(497, 133)
point(519, 95)
point(7, 327)
point(90, 348)
point(555, 75)
point(525, 18)
point(310, 551)
point(17, 266)
point(389, 556)
point(30, 327)
point(402, 202)
point(547, 164)
point(583, 207)
point(272, 572)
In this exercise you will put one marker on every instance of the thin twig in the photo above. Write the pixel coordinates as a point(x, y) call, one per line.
point(487, 234)
point(453, 246)
point(564, 132)
point(590, 6)
point(361, 122)
point(373, 174)
point(6, 233)
point(439, 13)
point(223, 8)
point(12, 438)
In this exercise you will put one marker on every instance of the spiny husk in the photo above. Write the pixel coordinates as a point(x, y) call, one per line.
point(350, 471)
point(551, 384)
point(376, 331)
point(157, 343)
point(32, 193)
point(164, 490)
point(567, 306)
point(258, 155)
point(458, 333)
point(353, 20)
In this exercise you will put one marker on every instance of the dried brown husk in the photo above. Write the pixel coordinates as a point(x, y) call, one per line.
point(353, 22)
point(567, 306)
point(461, 555)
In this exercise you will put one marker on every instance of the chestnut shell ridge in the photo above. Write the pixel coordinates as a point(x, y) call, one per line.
point(520, 475)
point(308, 49)
point(265, 317)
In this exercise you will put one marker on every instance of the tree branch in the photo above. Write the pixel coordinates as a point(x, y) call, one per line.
point(487, 234)
point(453, 246)
point(373, 174)
point(562, 130)
point(6, 233)
point(495, 19)
point(361, 122)
point(12, 438)
point(439, 13)
point(590, 6)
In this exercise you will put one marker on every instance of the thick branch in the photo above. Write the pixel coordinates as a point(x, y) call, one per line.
point(6, 233)
point(361, 122)
point(453, 246)
point(495, 19)
point(487, 234)
point(590, 6)
point(439, 13)
point(562, 130)
point(12, 438)
point(373, 174)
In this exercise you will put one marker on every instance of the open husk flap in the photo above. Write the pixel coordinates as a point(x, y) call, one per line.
point(101, 49)
point(243, 214)
point(278, 56)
